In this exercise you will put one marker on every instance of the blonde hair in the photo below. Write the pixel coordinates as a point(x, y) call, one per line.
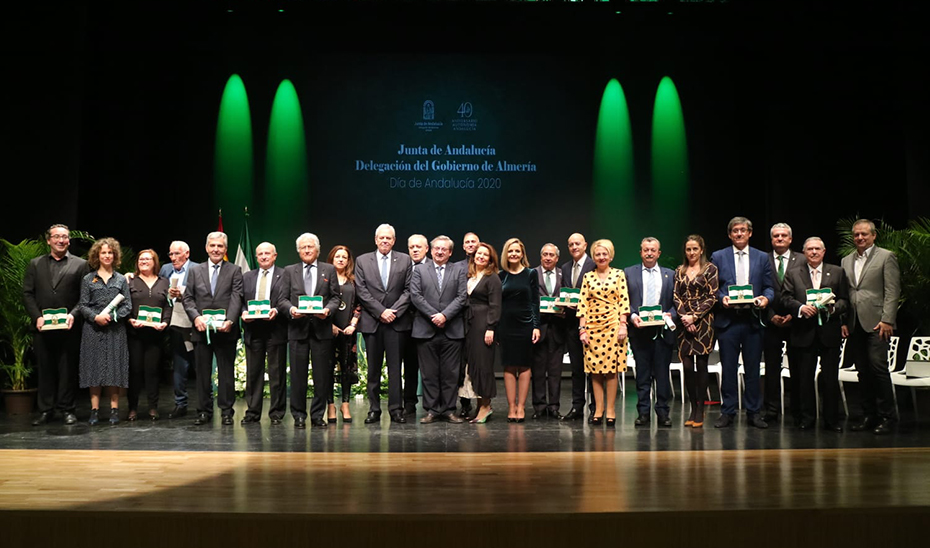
point(523, 261)
point(606, 244)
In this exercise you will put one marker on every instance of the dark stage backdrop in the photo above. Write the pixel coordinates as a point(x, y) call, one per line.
point(802, 117)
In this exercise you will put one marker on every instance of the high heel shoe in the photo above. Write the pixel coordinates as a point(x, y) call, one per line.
point(483, 419)
point(331, 412)
point(133, 415)
point(344, 409)
point(611, 422)
point(597, 421)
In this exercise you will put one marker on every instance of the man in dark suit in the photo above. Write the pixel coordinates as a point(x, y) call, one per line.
point(214, 285)
point(311, 335)
point(649, 285)
point(265, 337)
point(417, 246)
point(438, 292)
point(54, 281)
point(549, 350)
point(815, 333)
point(738, 327)
point(179, 326)
point(874, 289)
point(777, 320)
point(572, 273)
point(382, 280)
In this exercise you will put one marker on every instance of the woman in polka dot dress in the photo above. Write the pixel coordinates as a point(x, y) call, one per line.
point(602, 315)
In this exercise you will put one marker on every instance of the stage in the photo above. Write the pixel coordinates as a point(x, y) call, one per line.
point(500, 483)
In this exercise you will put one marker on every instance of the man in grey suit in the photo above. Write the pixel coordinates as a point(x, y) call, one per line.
point(311, 335)
point(777, 321)
point(214, 285)
point(179, 326)
point(54, 281)
point(265, 338)
point(874, 290)
point(549, 350)
point(382, 281)
point(439, 294)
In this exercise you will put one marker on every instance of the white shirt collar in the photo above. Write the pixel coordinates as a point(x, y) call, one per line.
point(865, 254)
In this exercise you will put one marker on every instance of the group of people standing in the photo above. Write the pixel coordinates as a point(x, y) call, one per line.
point(448, 324)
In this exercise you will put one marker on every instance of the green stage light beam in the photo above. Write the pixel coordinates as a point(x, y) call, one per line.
point(670, 172)
point(233, 174)
point(614, 175)
point(287, 203)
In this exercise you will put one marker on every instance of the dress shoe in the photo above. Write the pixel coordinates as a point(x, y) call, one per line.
point(465, 411)
point(300, 422)
point(94, 418)
point(867, 423)
point(770, 417)
point(698, 423)
point(573, 414)
point(202, 419)
point(410, 410)
point(664, 422)
point(133, 415)
point(275, 421)
point(453, 418)
point(318, 423)
point(885, 427)
point(373, 417)
point(43, 418)
point(724, 421)
point(227, 420)
point(642, 420)
point(833, 427)
point(398, 417)
point(346, 414)
point(429, 418)
point(70, 418)
point(250, 419)
point(555, 415)
point(756, 420)
point(114, 416)
point(153, 414)
point(177, 412)
point(539, 415)
point(806, 425)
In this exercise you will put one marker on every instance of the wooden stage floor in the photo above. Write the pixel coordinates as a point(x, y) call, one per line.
point(799, 497)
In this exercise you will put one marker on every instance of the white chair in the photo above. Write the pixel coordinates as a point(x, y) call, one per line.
point(715, 367)
point(918, 351)
point(680, 368)
point(850, 374)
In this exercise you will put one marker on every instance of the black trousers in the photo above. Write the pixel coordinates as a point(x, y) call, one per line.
point(320, 353)
point(347, 358)
point(57, 354)
point(385, 344)
point(547, 375)
point(440, 362)
point(411, 375)
point(579, 379)
point(256, 353)
point(145, 356)
point(870, 353)
point(803, 395)
point(772, 356)
point(224, 350)
point(652, 361)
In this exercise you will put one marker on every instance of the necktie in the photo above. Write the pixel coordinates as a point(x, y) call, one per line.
point(781, 268)
point(309, 286)
point(815, 278)
point(651, 299)
point(216, 274)
point(575, 270)
point(263, 285)
point(439, 276)
point(548, 278)
point(384, 271)
point(741, 277)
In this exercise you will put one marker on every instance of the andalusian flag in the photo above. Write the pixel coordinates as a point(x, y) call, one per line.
point(245, 257)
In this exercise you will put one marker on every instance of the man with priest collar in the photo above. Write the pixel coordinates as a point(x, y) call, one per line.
point(53, 281)
point(573, 272)
point(310, 333)
point(816, 333)
point(777, 320)
point(653, 345)
point(549, 350)
point(417, 246)
point(382, 280)
point(179, 326)
point(439, 295)
point(265, 336)
point(213, 301)
point(738, 326)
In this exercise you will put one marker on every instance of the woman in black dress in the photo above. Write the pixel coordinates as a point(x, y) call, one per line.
point(518, 330)
point(146, 341)
point(483, 314)
point(104, 352)
point(344, 323)
point(696, 285)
